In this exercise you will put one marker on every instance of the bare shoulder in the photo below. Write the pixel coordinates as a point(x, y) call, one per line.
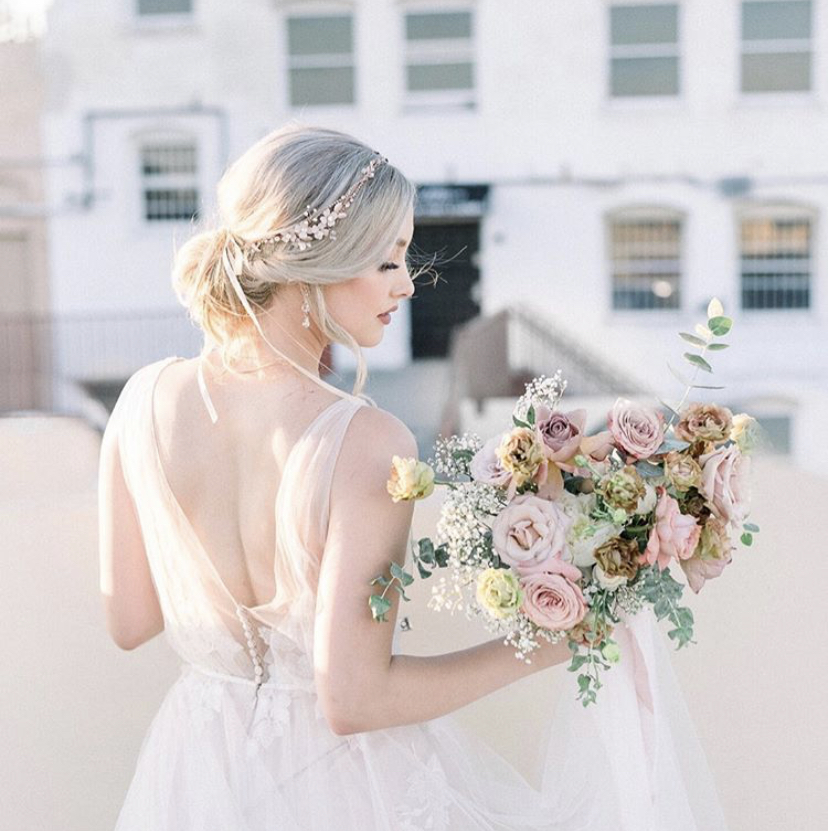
point(374, 430)
point(373, 437)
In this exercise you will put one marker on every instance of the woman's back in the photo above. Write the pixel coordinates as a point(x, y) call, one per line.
point(226, 476)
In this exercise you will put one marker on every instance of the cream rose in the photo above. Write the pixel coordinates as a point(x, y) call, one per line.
point(529, 532)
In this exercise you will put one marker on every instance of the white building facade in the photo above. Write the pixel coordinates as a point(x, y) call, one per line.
point(613, 164)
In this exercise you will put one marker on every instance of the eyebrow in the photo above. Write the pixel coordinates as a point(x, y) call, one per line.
point(401, 243)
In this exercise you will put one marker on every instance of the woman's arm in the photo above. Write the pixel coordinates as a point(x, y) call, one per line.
point(361, 685)
point(133, 613)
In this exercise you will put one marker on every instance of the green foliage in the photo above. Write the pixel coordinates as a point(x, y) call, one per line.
point(747, 539)
point(659, 588)
point(698, 361)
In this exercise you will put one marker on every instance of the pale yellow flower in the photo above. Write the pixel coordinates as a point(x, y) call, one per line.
point(410, 479)
point(745, 432)
point(499, 592)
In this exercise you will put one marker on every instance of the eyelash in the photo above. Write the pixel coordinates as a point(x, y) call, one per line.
point(388, 266)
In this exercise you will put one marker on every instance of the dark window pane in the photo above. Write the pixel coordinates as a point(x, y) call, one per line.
point(643, 24)
point(776, 72)
point(165, 6)
point(171, 203)
point(771, 21)
point(439, 76)
point(320, 35)
point(644, 76)
point(330, 85)
point(438, 25)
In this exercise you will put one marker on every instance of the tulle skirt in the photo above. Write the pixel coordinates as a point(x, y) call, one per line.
point(218, 756)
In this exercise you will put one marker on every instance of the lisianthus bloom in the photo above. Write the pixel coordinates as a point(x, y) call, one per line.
point(591, 629)
point(521, 454)
point(618, 557)
point(623, 488)
point(499, 592)
point(529, 532)
point(682, 471)
point(410, 479)
point(705, 422)
point(637, 430)
point(674, 535)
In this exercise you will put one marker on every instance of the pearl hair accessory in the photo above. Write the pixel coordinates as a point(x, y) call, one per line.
point(317, 224)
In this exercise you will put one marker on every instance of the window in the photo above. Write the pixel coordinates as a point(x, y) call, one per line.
point(644, 57)
point(159, 7)
point(776, 261)
point(776, 46)
point(321, 60)
point(439, 58)
point(645, 255)
point(169, 181)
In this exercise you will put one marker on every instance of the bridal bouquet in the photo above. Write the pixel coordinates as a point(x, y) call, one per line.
point(547, 533)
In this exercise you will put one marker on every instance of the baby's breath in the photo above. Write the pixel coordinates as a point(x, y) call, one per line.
point(446, 458)
point(540, 390)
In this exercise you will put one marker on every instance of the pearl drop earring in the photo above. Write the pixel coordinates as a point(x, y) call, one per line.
point(305, 308)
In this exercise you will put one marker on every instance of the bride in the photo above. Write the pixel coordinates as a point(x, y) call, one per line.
point(243, 512)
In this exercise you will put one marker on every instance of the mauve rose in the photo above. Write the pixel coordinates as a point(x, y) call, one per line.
point(636, 429)
point(561, 432)
point(726, 483)
point(485, 465)
point(714, 552)
point(674, 535)
point(529, 532)
point(551, 601)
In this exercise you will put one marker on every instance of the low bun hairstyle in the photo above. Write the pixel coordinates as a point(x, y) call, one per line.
point(268, 189)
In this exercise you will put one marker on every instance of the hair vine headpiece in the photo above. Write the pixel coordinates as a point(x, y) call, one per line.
point(317, 223)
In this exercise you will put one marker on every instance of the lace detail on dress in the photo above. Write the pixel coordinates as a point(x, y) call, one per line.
point(271, 717)
point(428, 799)
point(203, 696)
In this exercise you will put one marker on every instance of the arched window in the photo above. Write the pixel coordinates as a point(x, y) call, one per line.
point(645, 258)
point(776, 250)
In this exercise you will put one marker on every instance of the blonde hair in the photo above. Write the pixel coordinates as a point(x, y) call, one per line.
point(269, 188)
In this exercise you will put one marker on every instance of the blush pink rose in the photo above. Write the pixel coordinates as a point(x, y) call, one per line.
point(637, 430)
point(530, 532)
point(699, 570)
point(674, 536)
point(551, 601)
point(726, 483)
point(486, 467)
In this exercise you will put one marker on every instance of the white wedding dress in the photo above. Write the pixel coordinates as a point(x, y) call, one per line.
point(240, 743)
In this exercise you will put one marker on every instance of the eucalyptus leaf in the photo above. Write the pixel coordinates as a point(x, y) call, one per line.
point(577, 662)
point(530, 415)
point(379, 606)
point(720, 325)
point(702, 330)
point(715, 308)
point(678, 375)
point(668, 407)
point(424, 572)
point(715, 347)
point(672, 444)
point(705, 387)
point(698, 361)
point(648, 470)
point(747, 538)
point(749, 526)
point(696, 341)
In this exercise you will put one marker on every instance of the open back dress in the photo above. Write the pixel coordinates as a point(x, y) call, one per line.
point(241, 744)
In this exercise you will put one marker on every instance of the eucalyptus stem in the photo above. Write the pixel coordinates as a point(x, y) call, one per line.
point(687, 391)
